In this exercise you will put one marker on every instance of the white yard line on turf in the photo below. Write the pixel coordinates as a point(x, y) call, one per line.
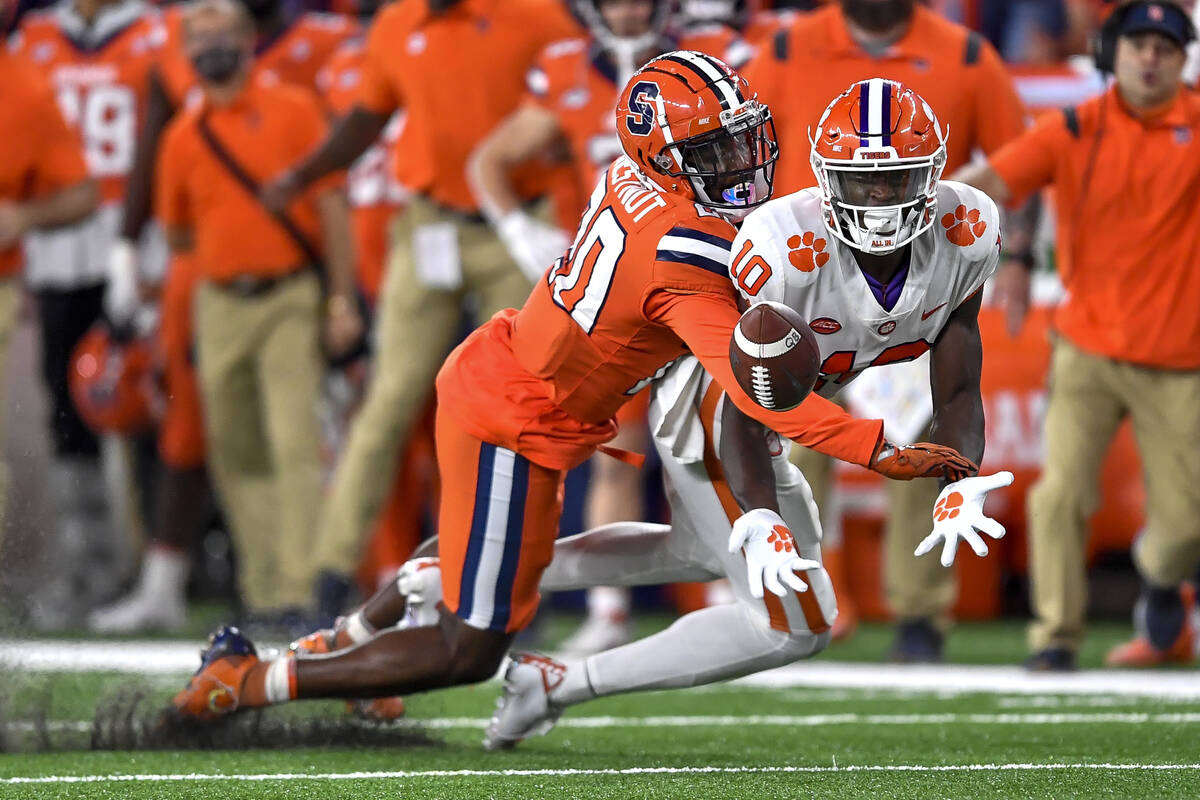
point(164, 657)
point(559, 773)
point(730, 721)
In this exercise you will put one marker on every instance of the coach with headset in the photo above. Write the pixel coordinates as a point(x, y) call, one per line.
point(1125, 167)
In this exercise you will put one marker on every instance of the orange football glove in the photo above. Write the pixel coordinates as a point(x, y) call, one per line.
point(922, 460)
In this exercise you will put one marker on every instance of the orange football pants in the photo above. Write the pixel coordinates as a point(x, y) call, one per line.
point(496, 528)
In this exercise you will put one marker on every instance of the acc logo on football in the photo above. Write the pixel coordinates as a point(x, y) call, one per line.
point(640, 120)
point(825, 325)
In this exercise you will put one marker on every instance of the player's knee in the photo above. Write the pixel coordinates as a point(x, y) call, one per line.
point(1057, 492)
point(804, 644)
point(476, 664)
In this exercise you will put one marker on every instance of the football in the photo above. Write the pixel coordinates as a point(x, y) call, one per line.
point(774, 356)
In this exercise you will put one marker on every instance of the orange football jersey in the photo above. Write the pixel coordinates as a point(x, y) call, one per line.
point(99, 72)
point(577, 81)
point(295, 55)
point(374, 193)
point(645, 281)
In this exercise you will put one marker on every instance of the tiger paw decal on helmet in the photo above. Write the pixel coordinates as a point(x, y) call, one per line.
point(963, 227)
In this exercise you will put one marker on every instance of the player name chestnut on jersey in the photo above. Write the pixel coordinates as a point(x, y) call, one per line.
point(783, 253)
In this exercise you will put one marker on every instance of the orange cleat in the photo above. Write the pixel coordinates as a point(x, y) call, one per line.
point(214, 690)
point(315, 643)
point(1138, 652)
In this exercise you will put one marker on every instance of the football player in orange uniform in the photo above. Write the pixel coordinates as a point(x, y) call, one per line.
point(572, 91)
point(294, 49)
point(96, 54)
point(533, 392)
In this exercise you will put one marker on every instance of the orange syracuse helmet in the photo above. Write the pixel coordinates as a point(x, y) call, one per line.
point(695, 128)
point(112, 382)
point(878, 153)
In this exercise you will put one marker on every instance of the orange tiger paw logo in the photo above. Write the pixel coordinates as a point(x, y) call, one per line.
point(781, 537)
point(963, 227)
point(807, 252)
point(948, 507)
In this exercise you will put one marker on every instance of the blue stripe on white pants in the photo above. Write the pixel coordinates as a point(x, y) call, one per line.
point(495, 544)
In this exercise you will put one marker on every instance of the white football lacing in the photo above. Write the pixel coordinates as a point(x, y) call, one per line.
point(760, 380)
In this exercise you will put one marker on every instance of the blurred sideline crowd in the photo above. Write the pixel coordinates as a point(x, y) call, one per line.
point(238, 332)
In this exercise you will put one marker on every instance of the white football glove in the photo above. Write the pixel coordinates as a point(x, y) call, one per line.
point(534, 245)
point(121, 297)
point(770, 551)
point(959, 512)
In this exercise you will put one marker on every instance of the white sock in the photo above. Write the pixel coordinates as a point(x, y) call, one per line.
point(575, 686)
point(712, 644)
point(277, 684)
point(357, 627)
point(164, 574)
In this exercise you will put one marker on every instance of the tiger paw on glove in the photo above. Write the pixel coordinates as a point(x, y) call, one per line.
point(958, 514)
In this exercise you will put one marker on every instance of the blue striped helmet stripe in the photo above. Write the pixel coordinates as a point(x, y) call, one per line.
point(887, 114)
point(864, 112)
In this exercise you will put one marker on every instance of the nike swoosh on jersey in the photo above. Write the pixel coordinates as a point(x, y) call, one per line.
point(927, 314)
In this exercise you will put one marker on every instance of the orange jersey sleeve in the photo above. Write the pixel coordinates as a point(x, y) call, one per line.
point(1027, 163)
point(377, 91)
point(705, 323)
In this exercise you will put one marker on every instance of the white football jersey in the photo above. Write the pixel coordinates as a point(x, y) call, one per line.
point(783, 253)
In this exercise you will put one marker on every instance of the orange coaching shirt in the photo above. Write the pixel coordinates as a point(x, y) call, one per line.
point(41, 154)
point(806, 65)
point(268, 127)
point(458, 74)
point(1129, 245)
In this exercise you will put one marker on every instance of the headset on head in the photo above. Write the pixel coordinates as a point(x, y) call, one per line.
point(1104, 44)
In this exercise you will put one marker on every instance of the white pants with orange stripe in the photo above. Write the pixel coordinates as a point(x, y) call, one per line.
point(715, 643)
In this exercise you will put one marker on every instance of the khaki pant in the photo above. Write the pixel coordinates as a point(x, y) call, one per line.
point(1089, 396)
point(260, 369)
point(10, 301)
point(417, 326)
point(915, 587)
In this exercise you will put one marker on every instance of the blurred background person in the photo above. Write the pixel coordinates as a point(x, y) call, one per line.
point(1125, 168)
point(291, 47)
point(97, 54)
point(964, 81)
point(44, 183)
point(443, 253)
point(260, 318)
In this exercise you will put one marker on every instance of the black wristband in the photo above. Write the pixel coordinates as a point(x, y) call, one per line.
point(1025, 259)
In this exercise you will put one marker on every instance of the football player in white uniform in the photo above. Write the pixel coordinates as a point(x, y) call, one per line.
point(908, 256)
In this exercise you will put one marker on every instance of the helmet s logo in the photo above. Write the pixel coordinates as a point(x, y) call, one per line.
point(640, 119)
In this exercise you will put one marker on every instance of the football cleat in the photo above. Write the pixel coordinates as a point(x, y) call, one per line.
point(524, 708)
point(1157, 622)
point(381, 709)
point(214, 689)
point(316, 643)
point(139, 612)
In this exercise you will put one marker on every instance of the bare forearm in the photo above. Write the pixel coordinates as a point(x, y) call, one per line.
point(1020, 225)
point(959, 423)
point(139, 185)
point(339, 243)
point(746, 461)
point(348, 140)
point(64, 207)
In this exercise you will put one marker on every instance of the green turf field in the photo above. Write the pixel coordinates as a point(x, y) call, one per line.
point(729, 741)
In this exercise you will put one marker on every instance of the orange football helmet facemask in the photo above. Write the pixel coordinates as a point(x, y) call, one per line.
point(695, 128)
point(878, 154)
point(112, 382)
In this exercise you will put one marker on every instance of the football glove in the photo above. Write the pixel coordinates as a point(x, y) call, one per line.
point(532, 244)
point(922, 460)
point(770, 550)
point(959, 513)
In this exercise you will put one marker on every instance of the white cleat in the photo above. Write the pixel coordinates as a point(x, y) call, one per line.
point(596, 634)
point(524, 709)
point(138, 612)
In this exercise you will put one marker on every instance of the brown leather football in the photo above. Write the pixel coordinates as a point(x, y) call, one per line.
point(774, 356)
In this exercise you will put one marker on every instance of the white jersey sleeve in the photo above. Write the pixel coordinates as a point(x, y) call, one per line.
point(772, 255)
point(969, 223)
